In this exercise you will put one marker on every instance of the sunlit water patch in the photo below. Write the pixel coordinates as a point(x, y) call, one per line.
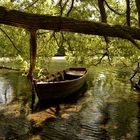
point(6, 91)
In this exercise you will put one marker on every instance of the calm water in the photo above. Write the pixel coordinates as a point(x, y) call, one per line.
point(109, 110)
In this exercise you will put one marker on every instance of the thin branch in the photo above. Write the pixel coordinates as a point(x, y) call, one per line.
point(113, 9)
point(56, 40)
point(137, 70)
point(130, 38)
point(63, 39)
point(61, 7)
point(104, 54)
point(72, 3)
point(52, 35)
point(31, 5)
point(10, 40)
point(65, 4)
point(96, 8)
point(107, 53)
point(67, 41)
point(133, 41)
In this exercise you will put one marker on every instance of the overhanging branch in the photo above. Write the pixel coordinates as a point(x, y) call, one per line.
point(36, 21)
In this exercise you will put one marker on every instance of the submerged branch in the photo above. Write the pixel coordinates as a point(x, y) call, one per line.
point(8, 68)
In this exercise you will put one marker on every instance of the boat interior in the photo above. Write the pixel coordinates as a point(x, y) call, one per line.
point(64, 75)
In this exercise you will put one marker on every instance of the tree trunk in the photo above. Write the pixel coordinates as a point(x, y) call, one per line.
point(128, 12)
point(102, 11)
point(33, 48)
point(103, 15)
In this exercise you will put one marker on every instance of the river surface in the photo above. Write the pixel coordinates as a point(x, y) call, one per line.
point(109, 109)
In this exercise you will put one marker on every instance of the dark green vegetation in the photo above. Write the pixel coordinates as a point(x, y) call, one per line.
point(79, 48)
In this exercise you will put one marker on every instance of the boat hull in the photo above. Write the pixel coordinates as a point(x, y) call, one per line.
point(61, 89)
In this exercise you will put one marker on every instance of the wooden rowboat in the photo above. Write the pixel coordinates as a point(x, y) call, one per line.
point(62, 84)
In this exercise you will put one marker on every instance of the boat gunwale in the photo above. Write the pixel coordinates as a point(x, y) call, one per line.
point(63, 81)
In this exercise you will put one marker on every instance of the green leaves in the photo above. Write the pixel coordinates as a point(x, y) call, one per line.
point(79, 48)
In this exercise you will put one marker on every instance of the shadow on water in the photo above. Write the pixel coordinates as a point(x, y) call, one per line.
point(6, 91)
point(108, 110)
point(13, 125)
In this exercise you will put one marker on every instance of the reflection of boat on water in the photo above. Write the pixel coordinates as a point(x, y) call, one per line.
point(6, 92)
point(62, 84)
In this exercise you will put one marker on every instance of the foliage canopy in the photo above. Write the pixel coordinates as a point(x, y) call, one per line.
point(79, 48)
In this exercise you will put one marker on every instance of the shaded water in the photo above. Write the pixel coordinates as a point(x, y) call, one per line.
point(109, 110)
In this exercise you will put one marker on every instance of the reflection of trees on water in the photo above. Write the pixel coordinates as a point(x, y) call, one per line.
point(15, 93)
point(108, 110)
point(6, 91)
point(15, 88)
point(116, 103)
point(123, 122)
